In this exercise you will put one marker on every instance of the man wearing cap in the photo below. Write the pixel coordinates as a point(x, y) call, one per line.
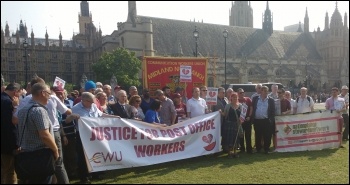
point(90, 86)
point(345, 95)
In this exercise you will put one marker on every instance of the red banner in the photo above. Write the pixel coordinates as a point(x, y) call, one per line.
point(165, 71)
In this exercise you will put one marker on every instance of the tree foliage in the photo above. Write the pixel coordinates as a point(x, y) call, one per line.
point(122, 64)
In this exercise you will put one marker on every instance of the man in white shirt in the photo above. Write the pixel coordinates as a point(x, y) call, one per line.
point(196, 106)
point(303, 103)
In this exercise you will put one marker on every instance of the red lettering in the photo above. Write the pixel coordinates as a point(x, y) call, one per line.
point(114, 132)
point(176, 147)
point(133, 133)
point(177, 132)
point(192, 128)
point(182, 146)
point(157, 149)
point(153, 150)
point(140, 150)
point(170, 133)
point(93, 134)
point(163, 132)
point(126, 131)
point(183, 130)
point(164, 149)
point(170, 148)
point(154, 133)
point(107, 134)
point(149, 151)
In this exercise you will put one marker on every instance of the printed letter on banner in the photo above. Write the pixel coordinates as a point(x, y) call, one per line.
point(116, 143)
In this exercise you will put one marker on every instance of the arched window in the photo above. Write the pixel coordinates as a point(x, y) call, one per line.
point(122, 41)
point(210, 82)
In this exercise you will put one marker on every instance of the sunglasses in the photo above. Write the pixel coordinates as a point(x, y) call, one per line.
point(204, 90)
point(138, 101)
point(241, 92)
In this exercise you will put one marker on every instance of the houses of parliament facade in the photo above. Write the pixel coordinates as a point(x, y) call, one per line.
point(253, 55)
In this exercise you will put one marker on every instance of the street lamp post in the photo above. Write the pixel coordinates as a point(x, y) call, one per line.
point(225, 34)
point(196, 35)
point(25, 46)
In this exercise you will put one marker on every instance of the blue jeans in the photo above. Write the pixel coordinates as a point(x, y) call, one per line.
point(60, 170)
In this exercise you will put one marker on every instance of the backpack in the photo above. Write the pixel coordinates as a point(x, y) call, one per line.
point(307, 97)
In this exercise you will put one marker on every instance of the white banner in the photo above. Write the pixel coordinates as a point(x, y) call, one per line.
point(212, 96)
point(313, 131)
point(112, 143)
point(185, 73)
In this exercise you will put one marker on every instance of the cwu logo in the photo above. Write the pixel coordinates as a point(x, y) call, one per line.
point(106, 157)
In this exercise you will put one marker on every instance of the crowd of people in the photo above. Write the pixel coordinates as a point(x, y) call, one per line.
point(52, 122)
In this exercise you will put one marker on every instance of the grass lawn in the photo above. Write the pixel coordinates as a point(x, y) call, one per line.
point(327, 166)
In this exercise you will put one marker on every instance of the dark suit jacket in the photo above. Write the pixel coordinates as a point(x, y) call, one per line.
point(119, 110)
point(270, 109)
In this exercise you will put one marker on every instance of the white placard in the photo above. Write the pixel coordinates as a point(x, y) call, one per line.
point(212, 96)
point(59, 82)
point(185, 73)
point(243, 112)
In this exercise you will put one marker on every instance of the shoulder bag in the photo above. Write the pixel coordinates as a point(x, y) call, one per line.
point(35, 163)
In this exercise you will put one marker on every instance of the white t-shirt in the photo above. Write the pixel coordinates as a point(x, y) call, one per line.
point(52, 106)
point(303, 105)
point(196, 107)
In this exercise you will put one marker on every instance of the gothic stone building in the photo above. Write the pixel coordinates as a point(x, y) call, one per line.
point(48, 58)
point(253, 55)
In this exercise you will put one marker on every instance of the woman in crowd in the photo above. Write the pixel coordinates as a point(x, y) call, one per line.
point(136, 111)
point(231, 125)
point(102, 97)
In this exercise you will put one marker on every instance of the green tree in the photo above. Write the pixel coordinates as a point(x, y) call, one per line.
point(120, 62)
